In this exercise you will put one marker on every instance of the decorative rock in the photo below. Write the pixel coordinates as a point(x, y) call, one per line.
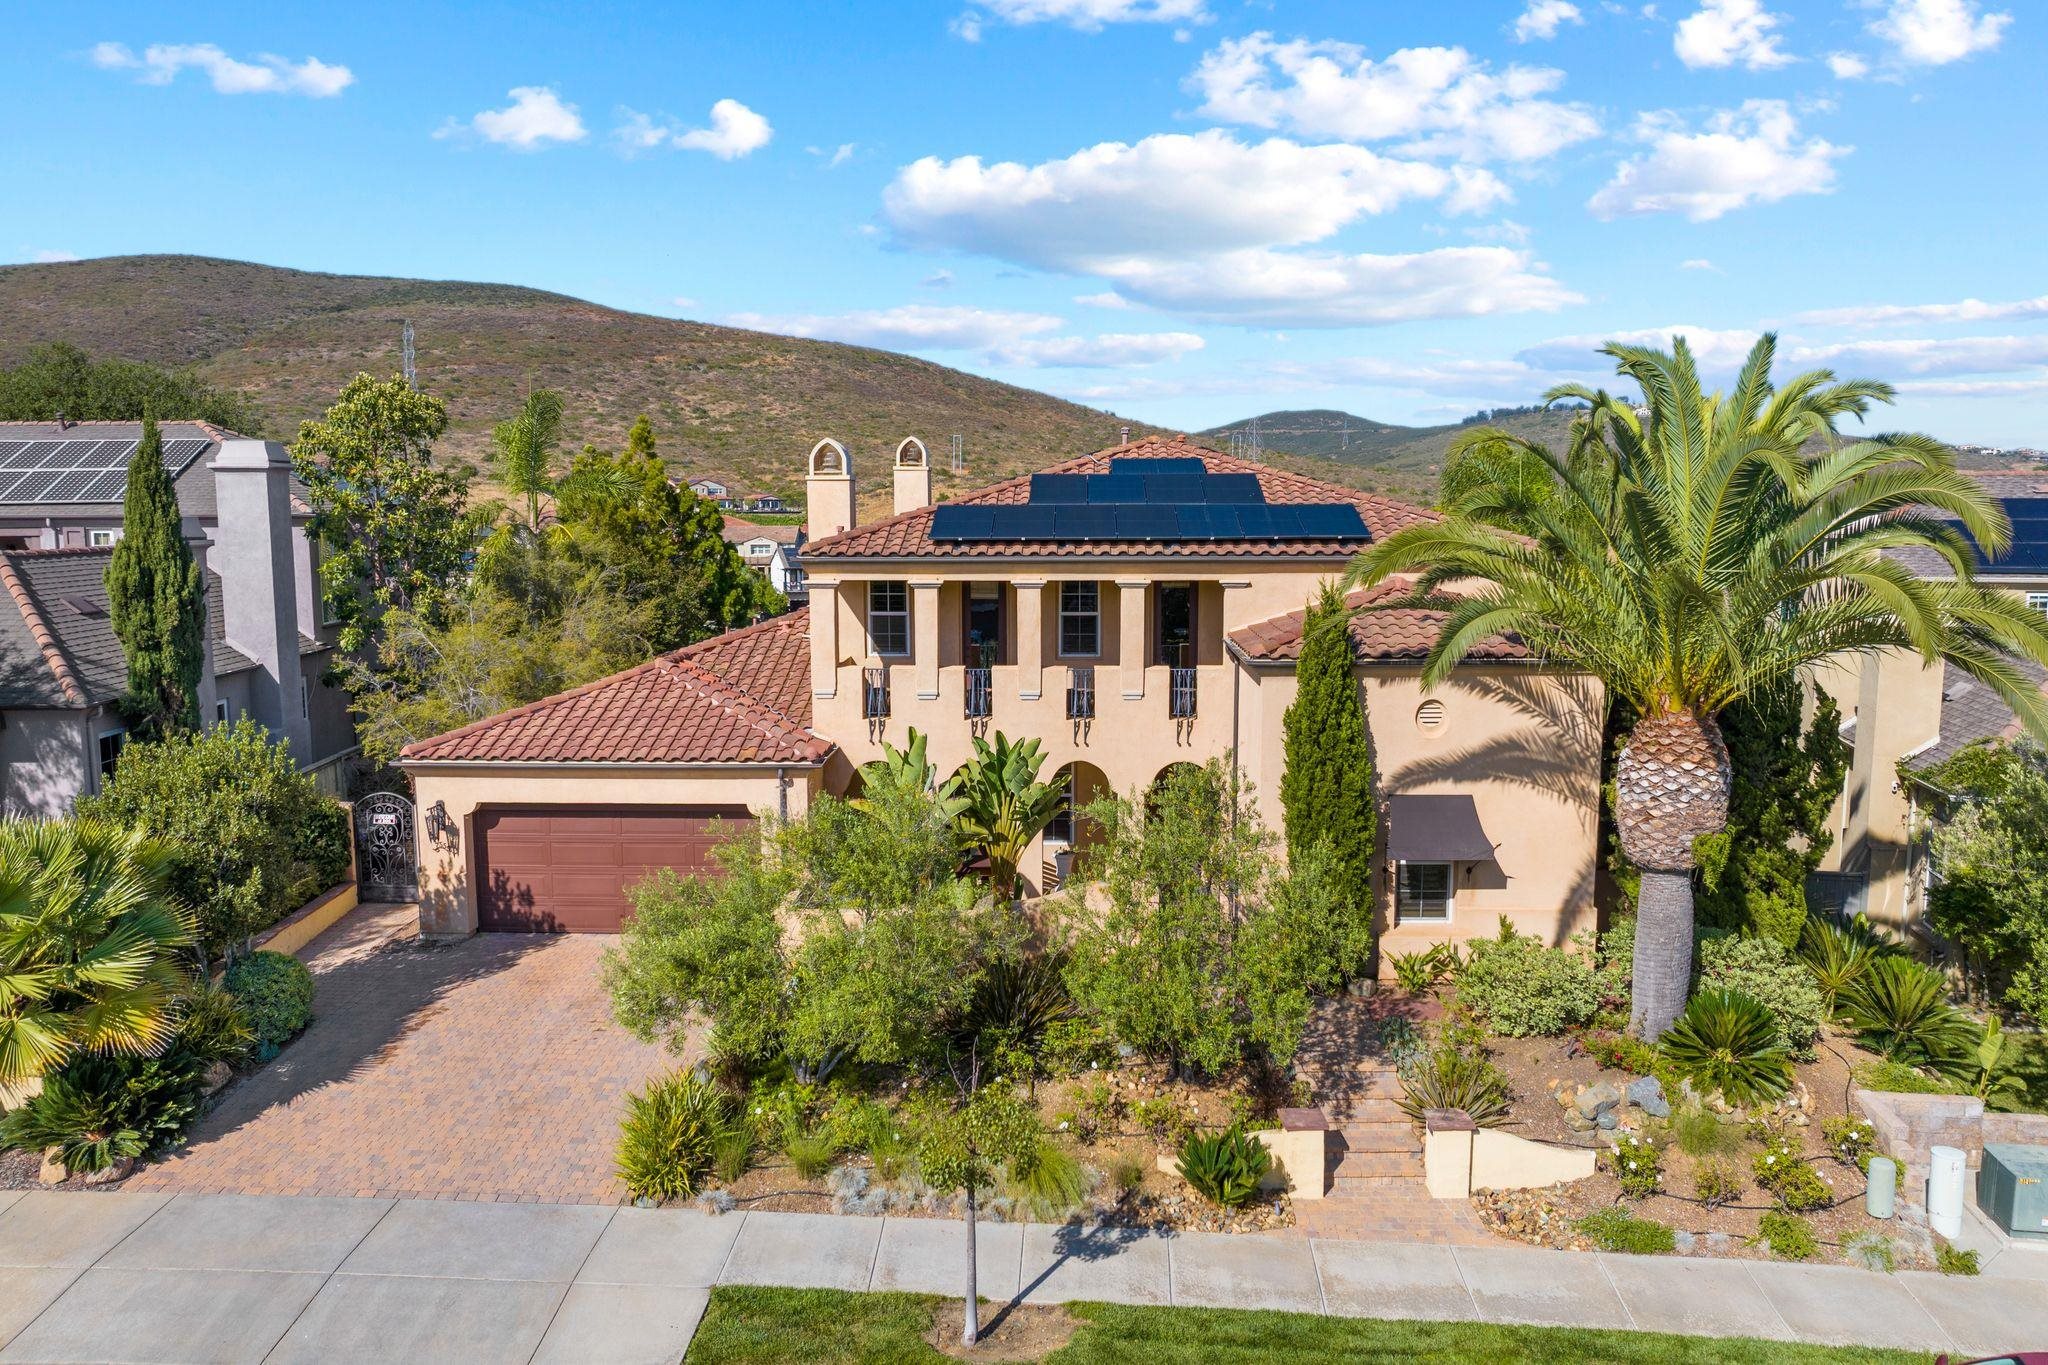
point(52, 1172)
point(218, 1075)
point(1595, 1100)
point(120, 1170)
point(1647, 1095)
point(1578, 1122)
point(1608, 1120)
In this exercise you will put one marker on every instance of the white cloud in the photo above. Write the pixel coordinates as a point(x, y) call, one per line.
point(1507, 230)
point(1700, 263)
point(1002, 337)
point(1750, 155)
point(1728, 32)
point(1893, 314)
point(841, 154)
point(1713, 348)
point(1976, 388)
point(1937, 32)
point(1929, 357)
point(1442, 101)
point(1543, 17)
point(50, 256)
point(1087, 15)
point(536, 117)
point(268, 74)
point(735, 131)
point(1847, 66)
point(1106, 299)
point(1330, 289)
point(682, 301)
point(1194, 223)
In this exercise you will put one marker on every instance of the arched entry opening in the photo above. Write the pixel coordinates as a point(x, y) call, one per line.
point(1165, 776)
point(1072, 835)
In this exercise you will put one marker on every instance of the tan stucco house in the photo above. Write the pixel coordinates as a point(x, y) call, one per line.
point(1131, 609)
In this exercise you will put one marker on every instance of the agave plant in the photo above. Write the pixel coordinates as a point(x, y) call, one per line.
point(1692, 548)
point(669, 1136)
point(1452, 1075)
point(1900, 1008)
point(1225, 1168)
point(1837, 955)
point(1004, 805)
point(1728, 1042)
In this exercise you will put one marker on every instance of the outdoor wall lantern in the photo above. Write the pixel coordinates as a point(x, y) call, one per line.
point(439, 826)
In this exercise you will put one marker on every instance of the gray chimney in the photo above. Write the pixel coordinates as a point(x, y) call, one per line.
point(253, 555)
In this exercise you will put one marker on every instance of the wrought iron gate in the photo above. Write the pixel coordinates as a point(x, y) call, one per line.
point(387, 865)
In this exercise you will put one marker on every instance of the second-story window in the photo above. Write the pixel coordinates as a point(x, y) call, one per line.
point(1080, 620)
point(2038, 601)
point(889, 619)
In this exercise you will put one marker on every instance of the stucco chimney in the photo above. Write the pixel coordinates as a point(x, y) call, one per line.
point(252, 553)
point(913, 476)
point(828, 490)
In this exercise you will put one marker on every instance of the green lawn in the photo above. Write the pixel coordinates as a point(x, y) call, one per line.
point(2027, 1058)
point(749, 1326)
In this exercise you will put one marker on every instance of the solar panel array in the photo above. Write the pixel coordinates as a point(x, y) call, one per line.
point(2028, 552)
point(1148, 499)
point(85, 471)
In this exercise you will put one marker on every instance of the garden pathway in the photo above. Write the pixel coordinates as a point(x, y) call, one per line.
point(94, 1276)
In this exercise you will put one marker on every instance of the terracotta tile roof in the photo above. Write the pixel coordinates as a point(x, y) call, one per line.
point(742, 697)
point(1383, 636)
point(738, 530)
point(909, 534)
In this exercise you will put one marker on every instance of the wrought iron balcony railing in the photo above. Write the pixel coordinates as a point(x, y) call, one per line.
point(1081, 694)
point(980, 692)
point(874, 693)
point(1180, 693)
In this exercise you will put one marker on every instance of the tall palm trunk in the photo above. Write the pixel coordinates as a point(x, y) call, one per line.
point(1670, 787)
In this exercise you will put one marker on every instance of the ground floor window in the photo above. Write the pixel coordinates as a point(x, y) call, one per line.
point(1424, 891)
point(1060, 829)
point(110, 751)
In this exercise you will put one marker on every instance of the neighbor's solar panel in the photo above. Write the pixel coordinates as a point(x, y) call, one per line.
point(80, 471)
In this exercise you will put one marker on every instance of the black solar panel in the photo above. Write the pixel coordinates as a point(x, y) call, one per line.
point(107, 454)
point(1176, 488)
point(178, 453)
point(71, 483)
point(1235, 488)
point(9, 449)
point(1052, 488)
point(34, 485)
point(24, 456)
point(1085, 523)
point(961, 523)
point(100, 467)
point(1027, 523)
point(1109, 489)
point(1147, 523)
point(106, 487)
point(1167, 464)
point(1337, 521)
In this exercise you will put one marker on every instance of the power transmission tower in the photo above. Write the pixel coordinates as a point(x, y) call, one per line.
point(405, 364)
point(959, 453)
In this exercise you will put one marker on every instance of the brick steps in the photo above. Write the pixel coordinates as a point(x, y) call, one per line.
point(1381, 1138)
point(1354, 1165)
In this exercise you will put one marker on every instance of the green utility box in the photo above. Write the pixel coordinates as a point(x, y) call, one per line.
point(2012, 1188)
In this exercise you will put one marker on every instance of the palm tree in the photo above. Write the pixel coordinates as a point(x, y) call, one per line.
point(1695, 548)
point(88, 931)
point(526, 450)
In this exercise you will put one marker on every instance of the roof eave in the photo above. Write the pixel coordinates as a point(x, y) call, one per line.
point(614, 765)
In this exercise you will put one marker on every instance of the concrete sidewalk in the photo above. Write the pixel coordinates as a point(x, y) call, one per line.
point(151, 1277)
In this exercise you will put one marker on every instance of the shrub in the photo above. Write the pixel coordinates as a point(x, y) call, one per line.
point(1165, 1117)
point(1789, 1237)
point(1899, 1079)
point(1620, 1230)
point(1100, 1108)
point(1638, 1166)
point(214, 1027)
point(1615, 958)
point(1900, 1008)
point(1455, 1074)
point(1791, 1179)
point(100, 1110)
point(667, 1137)
point(1955, 1261)
point(1766, 972)
point(1424, 970)
point(1050, 1184)
point(1127, 1172)
point(1728, 1042)
point(1017, 1002)
point(1716, 1182)
point(1225, 1168)
point(1851, 1139)
point(276, 991)
point(1523, 989)
point(732, 1152)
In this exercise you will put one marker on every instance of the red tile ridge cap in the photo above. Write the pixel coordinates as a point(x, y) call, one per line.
point(39, 631)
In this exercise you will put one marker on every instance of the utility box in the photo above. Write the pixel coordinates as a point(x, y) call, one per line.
point(2012, 1188)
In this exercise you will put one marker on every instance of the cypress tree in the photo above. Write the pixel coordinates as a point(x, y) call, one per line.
point(1326, 791)
point(156, 597)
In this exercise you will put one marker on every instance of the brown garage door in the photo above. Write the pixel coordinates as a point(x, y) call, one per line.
point(565, 870)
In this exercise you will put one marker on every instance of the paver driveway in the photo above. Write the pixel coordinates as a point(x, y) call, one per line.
point(487, 1069)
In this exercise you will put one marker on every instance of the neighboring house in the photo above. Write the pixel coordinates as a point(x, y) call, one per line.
point(765, 503)
point(714, 491)
point(1132, 610)
point(771, 551)
point(1905, 717)
point(61, 667)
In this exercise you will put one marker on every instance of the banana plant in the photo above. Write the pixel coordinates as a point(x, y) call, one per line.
point(907, 769)
point(1004, 805)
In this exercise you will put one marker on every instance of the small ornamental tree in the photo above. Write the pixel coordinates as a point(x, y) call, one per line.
point(1326, 790)
point(1991, 900)
point(156, 597)
point(525, 450)
point(1753, 873)
point(962, 1150)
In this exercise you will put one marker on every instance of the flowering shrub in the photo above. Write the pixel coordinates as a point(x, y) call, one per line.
point(1851, 1139)
point(1791, 1180)
point(1523, 989)
point(1638, 1166)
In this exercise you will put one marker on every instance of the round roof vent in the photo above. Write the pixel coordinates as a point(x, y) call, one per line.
point(1429, 716)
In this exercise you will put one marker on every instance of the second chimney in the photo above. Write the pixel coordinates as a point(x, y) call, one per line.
point(828, 491)
point(913, 476)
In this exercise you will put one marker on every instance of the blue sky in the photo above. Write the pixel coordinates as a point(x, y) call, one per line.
point(1185, 210)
